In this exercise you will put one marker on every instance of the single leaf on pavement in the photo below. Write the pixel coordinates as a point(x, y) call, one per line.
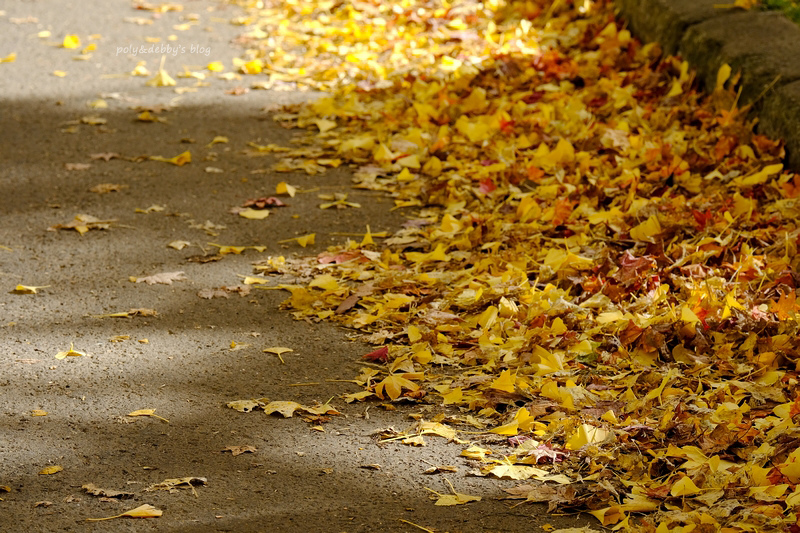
point(72, 352)
point(94, 490)
point(179, 160)
point(239, 450)
point(285, 188)
point(147, 412)
point(285, 408)
point(279, 351)
point(51, 470)
point(143, 511)
point(164, 278)
point(27, 289)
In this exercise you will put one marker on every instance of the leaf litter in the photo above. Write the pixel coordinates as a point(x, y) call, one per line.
point(603, 268)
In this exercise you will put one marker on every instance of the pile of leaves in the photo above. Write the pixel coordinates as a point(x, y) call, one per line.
point(602, 265)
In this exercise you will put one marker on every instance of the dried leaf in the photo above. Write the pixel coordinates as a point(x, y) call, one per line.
point(147, 412)
point(143, 511)
point(238, 450)
point(72, 352)
point(163, 278)
point(28, 289)
point(94, 490)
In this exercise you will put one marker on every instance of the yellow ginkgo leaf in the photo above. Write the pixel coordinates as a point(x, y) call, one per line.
point(179, 160)
point(253, 280)
point(72, 352)
point(254, 214)
point(586, 434)
point(215, 66)
point(50, 470)
point(647, 230)
point(684, 487)
point(71, 41)
point(456, 499)
point(161, 79)
point(38, 412)
point(59, 73)
point(284, 408)
point(285, 188)
point(505, 382)
point(303, 241)
point(27, 289)
point(279, 351)
point(10, 58)
point(324, 124)
point(254, 66)
point(179, 245)
point(143, 511)
point(147, 412)
point(393, 386)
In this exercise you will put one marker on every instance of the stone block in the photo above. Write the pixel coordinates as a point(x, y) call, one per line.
point(779, 118)
point(665, 21)
point(763, 46)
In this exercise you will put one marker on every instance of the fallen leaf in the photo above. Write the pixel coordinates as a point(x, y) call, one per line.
point(94, 490)
point(238, 450)
point(179, 245)
point(254, 214)
point(28, 289)
point(441, 469)
point(51, 470)
point(285, 188)
point(162, 78)
point(71, 41)
point(178, 160)
point(245, 406)
point(303, 241)
point(285, 408)
point(148, 412)
point(164, 278)
point(105, 188)
point(72, 352)
point(152, 209)
point(143, 511)
point(279, 351)
point(456, 498)
point(83, 223)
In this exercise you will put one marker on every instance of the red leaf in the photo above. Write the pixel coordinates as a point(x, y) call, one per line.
point(487, 186)
point(264, 202)
point(381, 355)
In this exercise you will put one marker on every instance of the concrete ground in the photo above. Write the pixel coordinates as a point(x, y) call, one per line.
point(180, 362)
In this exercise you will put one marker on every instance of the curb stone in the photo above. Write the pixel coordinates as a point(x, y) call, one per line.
point(763, 46)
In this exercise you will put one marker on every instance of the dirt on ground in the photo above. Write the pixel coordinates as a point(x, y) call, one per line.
point(182, 355)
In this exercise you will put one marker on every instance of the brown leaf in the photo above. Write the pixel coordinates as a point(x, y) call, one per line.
point(239, 450)
point(94, 490)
